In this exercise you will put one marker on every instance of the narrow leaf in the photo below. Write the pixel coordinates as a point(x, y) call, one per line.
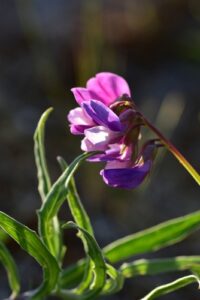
point(44, 182)
point(154, 238)
point(31, 243)
point(81, 218)
point(171, 287)
point(157, 266)
point(115, 282)
point(11, 269)
point(55, 199)
point(97, 262)
point(76, 207)
point(72, 275)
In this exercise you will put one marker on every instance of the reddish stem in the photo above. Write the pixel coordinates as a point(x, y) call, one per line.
point(174, 151)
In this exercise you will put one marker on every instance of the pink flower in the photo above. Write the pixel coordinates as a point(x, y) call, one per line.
point(105, 87)
point(109, 122)
point(95, 118)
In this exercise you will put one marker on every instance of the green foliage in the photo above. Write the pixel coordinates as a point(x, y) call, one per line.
point(171, 287)
point(31, 243)
point(54, 201)
point(76, 207)
point(97, 262)
point(149, 240)
point(156, 266)
point(44, 181)
point(152, 239)
point(94, 275)
point(11, 269)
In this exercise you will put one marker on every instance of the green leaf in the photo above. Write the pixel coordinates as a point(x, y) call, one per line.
point(81, 218)
point(11, 269)
point(154, 238)
point(72, 275)
point(171, 287)
point(157, 266)
point(30, 242)
point(44, 181)
point(116, 281)
point(76, 207)
point(96, 261)
point(55, 199)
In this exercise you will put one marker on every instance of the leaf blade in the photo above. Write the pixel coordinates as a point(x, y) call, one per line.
point(98, 263)
point(44, 181)
point(77, 209)
point(55, 199)
point(143, 267)
point(11, 269)
point(30, 242)
point(131, 243)
point(154, 238)
point(171, 287)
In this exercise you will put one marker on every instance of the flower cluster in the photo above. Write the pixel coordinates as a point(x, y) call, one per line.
point(109, 121)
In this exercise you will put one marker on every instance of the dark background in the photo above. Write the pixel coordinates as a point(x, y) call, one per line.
point(47, 47)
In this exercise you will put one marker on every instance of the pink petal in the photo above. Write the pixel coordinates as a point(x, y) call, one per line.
point(107, 87)
point(87, 146)
point(78, 129)
point(81, 94)
point(77, 116)
point(117, 164)
point(99, 135)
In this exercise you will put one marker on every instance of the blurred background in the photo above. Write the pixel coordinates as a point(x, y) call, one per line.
point(47, 47)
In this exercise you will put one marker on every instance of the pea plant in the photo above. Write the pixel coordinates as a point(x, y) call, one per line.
point(110, 124)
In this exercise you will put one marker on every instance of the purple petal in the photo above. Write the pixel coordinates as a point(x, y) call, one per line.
point(81, 94)
point(127, 178)
point(78, 129)
point(107, 87)
point(109, 155)
point(116, 153)
point(102, 115)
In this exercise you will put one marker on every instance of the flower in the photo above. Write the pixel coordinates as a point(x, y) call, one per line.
point(98, 118)
point(109, 122)
point(129, 174)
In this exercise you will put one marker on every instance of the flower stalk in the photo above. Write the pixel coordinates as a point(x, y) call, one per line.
point(190, 169)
